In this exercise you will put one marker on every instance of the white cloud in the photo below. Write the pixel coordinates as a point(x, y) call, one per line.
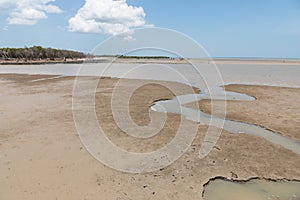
point(107, 16)
point(28, 12)
point(129, 38)
point(5, 28)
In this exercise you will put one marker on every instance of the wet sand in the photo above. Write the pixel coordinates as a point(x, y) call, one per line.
point(275, 108)
point(41, 156)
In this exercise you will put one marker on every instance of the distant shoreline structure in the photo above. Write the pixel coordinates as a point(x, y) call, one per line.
point(38, 55)
point(150, 59)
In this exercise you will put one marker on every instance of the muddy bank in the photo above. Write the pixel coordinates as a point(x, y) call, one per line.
point(221, 188)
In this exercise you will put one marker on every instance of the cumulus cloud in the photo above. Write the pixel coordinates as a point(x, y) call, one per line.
point(107, 16)
point(28, 12)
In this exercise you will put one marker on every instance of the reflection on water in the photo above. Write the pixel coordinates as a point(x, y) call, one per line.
point(254, 189)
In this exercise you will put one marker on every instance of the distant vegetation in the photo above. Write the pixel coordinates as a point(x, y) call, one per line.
point(145, 57)
point(38, 53)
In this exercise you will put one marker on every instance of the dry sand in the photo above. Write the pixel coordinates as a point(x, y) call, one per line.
point(41, 156)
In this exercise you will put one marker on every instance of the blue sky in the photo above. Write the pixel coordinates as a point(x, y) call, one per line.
point(253, 28)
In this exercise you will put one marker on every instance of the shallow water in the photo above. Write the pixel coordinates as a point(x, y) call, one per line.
point(177, 106)
point(252, 190)
point(261, 74)
point(173, 106)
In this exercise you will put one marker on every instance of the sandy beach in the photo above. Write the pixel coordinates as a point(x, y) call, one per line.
point(42, 156)
point(133, 100)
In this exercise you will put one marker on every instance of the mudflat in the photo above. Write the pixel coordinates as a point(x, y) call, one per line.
point(42, 157)
point(275, 108)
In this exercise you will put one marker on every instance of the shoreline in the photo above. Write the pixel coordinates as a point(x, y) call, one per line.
point(154, 60)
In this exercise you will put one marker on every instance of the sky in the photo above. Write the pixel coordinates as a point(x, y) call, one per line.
point(231, 28)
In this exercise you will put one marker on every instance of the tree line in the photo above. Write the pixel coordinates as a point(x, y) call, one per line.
point(38, 52)
point(144, 57)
